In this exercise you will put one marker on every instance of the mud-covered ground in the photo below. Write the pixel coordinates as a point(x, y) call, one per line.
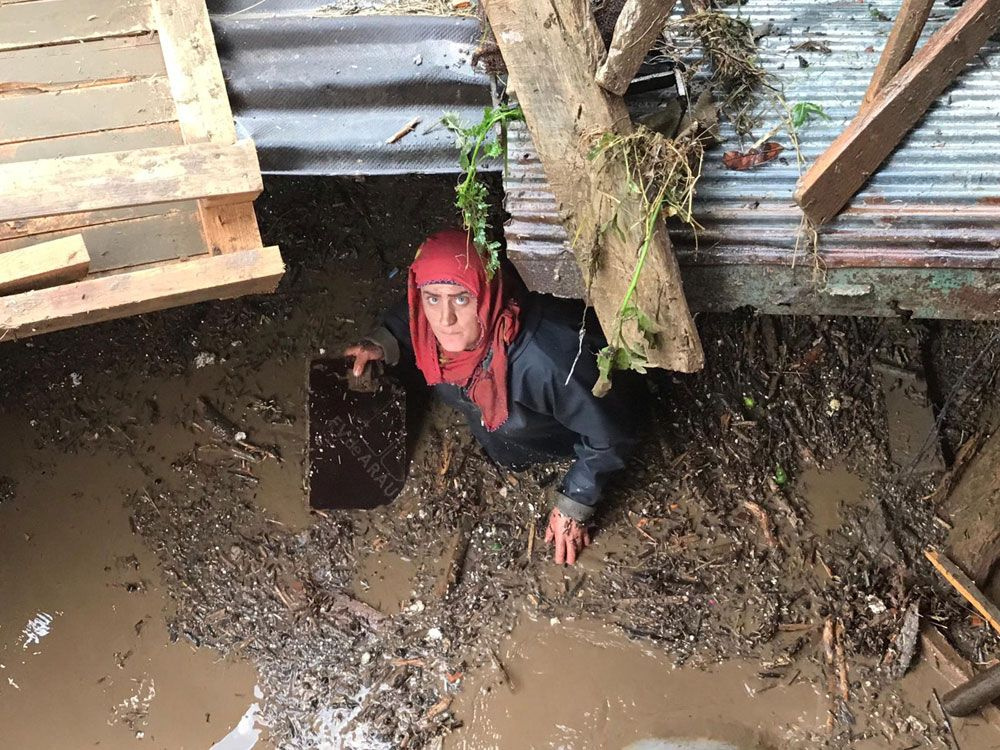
point(763, 509)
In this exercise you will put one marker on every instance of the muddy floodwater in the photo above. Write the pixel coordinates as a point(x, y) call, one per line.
point(580, 685)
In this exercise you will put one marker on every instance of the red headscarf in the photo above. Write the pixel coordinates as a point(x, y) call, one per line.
point(450, 258)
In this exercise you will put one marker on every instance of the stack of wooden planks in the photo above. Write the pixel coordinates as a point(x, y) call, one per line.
point(123, 188)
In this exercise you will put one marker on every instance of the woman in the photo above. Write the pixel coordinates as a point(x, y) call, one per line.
point(519, 370)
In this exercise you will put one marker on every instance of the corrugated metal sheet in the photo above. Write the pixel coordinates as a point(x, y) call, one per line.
point(321, 94)
point(935, 204)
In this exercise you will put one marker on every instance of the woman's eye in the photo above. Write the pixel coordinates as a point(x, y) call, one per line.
point(461, 301)
point(431, 300)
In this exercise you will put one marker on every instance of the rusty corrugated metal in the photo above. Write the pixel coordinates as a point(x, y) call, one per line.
point(935, 204)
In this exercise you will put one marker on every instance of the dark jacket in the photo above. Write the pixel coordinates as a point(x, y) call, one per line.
point(552, 410)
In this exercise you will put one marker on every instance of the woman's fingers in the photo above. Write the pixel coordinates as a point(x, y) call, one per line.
point(586, 537)
point(560, 555)
point(550, 534)
point(572, 541)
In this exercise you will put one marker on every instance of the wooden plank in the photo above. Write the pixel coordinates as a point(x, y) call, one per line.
point(141, 291)
point(859, 151)
point(29, 229)
point(44, 265)
point(63, 66)
point(194, 71)
point(173, 232)
point(99, 142)
point(637, 27)
point(964, 586)
point(225, 173)
point(121, 105)
point(56, 21)
point(552, 50)
point(203, 108)
point(974, 511)
point(899, 46)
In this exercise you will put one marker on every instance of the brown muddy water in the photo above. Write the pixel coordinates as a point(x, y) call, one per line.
point(828, 492)
point(96, 667)
point(580, 685)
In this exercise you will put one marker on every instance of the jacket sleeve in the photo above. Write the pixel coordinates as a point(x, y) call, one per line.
point(393, 335)
point(605, 427)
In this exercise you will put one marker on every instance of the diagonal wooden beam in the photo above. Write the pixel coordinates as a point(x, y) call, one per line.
point(899, 46)
point(49, 187)
point(876, 131)
point(552, 48)
point(638, 25)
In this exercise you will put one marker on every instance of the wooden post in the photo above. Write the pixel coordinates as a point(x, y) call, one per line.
point(552, 50)
point(852, 158)
point(900, 45)
point(638, 25)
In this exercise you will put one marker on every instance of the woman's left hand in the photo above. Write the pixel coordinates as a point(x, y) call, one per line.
point(569, 536)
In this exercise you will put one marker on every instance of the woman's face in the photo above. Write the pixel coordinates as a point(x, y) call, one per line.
point(451, 311)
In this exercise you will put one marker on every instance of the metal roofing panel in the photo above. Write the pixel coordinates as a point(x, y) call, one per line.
point(322, 94)
point(934, 203)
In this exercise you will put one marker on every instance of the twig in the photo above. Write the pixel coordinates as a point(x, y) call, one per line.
point(532, 528)
point(947, 720)
point(765, 523)
point(403, 131)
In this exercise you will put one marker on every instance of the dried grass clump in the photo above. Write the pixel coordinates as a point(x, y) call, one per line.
point(400, 8)
point(729, 58)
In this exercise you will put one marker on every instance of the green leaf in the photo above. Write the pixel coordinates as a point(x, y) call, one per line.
point(802, 112)
point(780, 477)
point(749, 402)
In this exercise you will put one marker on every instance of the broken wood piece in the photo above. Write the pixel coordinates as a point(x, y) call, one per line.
point(899, 46)
point(456, 557)
point(44, 264)
point(969, 697)
point(877, 129)
point(552, 51)
point(225, 173)
point(639, 24)
point(405, 130)
point(116, 295)
point(763, 521)
point(965, 587)
point(974, 512)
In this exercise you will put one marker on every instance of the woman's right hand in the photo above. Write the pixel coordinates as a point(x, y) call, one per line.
point(364, 353)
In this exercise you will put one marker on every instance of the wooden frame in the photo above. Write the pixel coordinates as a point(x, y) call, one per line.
point(115, 126)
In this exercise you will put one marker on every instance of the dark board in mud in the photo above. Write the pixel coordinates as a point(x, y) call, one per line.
point(357, 441)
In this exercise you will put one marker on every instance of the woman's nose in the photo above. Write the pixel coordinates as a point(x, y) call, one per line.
point(448, 316)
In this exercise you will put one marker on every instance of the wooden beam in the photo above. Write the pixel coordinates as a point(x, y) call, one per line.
point(964, 586)
point(226, 173)
point(899, 46)
point(973, 508)
point(552, 51)
point(859, 151)
point(203, 108)
point(40, 24)
point(134, 292)
point(44, 264)
point(98, 142)
point(638, 26)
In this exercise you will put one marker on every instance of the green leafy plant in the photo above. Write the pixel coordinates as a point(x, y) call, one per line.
point(662, 173)
point(472, 196)
point(803, 112)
